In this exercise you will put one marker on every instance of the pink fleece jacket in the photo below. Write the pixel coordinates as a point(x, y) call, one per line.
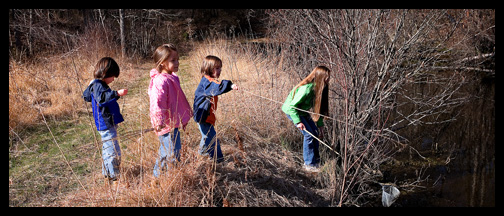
point(168, 103)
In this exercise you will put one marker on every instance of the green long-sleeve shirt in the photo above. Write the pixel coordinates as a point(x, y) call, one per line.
point(303, 99)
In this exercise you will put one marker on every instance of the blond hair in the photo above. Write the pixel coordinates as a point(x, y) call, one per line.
point(318, 77)
point(161, 54)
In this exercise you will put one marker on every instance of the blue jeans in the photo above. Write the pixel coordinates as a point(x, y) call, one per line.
point(169, 151)
point(209, 141)
point(111, 153)
point(310, 145)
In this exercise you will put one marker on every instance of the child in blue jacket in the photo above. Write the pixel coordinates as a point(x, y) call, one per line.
point(106, 114)
point(205, 104)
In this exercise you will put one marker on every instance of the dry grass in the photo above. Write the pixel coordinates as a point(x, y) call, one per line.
point(53, 84)
point(262, 149)
point(258, 170)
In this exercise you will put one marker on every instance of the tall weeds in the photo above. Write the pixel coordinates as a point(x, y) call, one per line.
point(262, 148)
point(51, 85)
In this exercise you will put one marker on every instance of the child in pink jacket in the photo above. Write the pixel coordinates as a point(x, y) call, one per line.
point(169, 109)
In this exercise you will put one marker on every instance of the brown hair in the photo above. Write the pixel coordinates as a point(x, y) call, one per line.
point(162, 53)
point(105, 68)
point(318, 76)
point(209, 63)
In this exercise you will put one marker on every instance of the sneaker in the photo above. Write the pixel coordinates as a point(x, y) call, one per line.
point(117, 187)
point(310, 168)
point(114, 185)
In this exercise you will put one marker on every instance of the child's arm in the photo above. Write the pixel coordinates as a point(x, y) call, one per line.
point(298, 99)
point(214, 89)
point(112, 96)
point(104, 95)
point(158, 98)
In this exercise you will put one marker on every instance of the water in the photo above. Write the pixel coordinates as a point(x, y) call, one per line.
point(461, 170)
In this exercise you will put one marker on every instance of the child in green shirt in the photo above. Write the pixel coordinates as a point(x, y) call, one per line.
point(311, 92)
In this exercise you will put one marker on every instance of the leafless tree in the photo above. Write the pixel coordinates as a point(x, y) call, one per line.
point(391, 69)
point(122, 33)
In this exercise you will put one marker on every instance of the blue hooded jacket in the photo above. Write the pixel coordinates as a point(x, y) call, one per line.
point(103, 100)
point(203, 96)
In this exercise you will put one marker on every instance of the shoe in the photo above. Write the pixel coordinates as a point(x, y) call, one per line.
point(310, 168)
point(118, 187)
point(114, 185)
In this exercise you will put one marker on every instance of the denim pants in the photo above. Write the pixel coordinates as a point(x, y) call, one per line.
point(209, 142)
point(111, 153)
point(310, 145)
point(169, 151)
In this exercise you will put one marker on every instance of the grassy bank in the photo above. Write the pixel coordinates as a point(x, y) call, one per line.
point(259, 168)
point(55, 151)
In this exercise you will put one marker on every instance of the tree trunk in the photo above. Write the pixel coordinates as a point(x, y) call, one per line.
point(121, 26)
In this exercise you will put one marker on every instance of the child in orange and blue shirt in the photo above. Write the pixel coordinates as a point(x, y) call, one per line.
point(205, 105)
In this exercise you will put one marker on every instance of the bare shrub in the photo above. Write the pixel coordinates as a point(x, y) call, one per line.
point(392, 73)
point(388, 73)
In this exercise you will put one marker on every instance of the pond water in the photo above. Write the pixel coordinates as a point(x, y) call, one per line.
point(468, 180)
point(460, 171)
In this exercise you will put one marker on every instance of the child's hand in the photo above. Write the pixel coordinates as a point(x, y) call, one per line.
point(300, 126)
point(122, 92)
point(234, 87)
point(159, 127)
